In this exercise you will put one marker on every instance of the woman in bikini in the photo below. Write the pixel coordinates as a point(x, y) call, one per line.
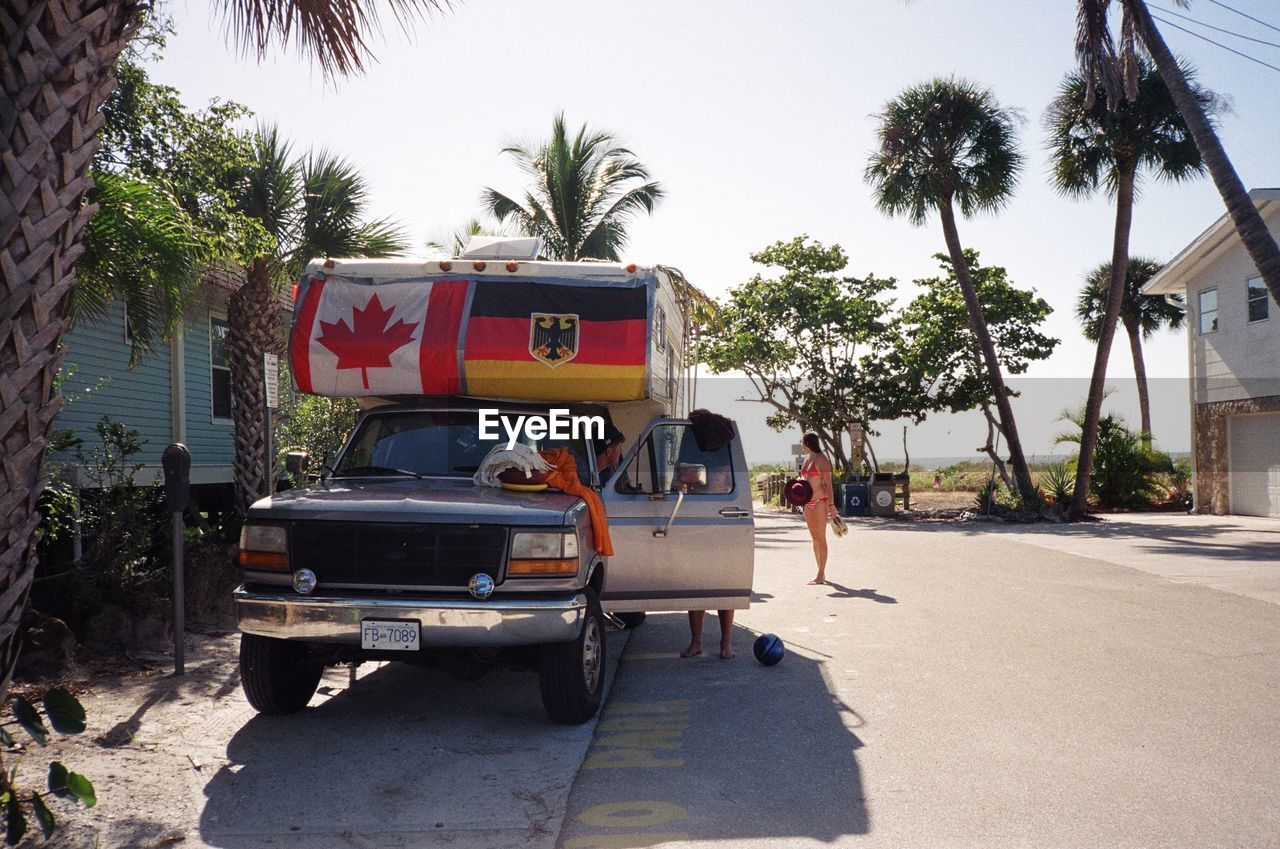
point(817, 471)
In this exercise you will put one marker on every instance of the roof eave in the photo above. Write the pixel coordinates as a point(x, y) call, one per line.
point(1178, 272)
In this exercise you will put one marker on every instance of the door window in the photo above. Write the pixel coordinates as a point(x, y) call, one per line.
point(670, 456)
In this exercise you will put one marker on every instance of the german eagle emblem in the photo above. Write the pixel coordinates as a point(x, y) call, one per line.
point(553, 339)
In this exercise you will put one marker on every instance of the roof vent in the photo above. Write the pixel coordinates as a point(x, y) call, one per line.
point(502, 247)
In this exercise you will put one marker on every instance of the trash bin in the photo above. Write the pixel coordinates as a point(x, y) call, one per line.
point(880, 495)
point(853, 499)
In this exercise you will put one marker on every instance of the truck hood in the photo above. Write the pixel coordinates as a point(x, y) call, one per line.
point(427, 501)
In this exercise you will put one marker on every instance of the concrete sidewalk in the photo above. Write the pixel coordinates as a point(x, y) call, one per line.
point(1235, 554)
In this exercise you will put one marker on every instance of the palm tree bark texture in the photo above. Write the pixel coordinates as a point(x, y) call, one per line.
point(1125, 176)
point(253, 328)
point(57, 69)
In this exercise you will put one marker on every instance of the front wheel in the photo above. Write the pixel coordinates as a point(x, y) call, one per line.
point(571, 674)
point(278, 676)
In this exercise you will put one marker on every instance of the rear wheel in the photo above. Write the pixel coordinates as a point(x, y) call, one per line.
point(278, 676)
point(571, 674)
point(631, 620)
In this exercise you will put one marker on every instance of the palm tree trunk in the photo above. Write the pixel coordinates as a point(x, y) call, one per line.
point(57, 67)
point(1258, 241)
point(253, 328)
point(1140, 376)
point(1021, 474)
point(1097, 382)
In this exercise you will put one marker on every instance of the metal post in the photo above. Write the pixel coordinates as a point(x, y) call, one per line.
point(179, 615)
point(269, 483)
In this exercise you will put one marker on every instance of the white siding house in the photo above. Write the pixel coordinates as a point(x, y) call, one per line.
point(1234, 348)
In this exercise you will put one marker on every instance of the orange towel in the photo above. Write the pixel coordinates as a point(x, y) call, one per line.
point(564, 477)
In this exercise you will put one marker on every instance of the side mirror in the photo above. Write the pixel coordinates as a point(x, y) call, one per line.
point(295, 463)
point(176, 462)
point(691, 475)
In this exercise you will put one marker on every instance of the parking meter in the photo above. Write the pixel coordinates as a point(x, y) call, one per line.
point(176, 461)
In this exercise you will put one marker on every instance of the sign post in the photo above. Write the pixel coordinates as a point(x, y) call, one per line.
point(856, 437)
point(176, 462)
point(271, 396)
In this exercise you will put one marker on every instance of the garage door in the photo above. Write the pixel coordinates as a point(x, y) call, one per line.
point(1255, 464)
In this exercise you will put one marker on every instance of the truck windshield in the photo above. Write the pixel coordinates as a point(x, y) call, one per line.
point(440, 443)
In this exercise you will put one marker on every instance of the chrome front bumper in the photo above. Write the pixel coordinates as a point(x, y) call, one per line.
point(509, 622)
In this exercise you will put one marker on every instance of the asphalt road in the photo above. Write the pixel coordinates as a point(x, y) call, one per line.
point(953, 687)
point(1109, 685)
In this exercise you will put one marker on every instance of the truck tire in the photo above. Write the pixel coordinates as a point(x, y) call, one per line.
point(632, 620)
point(571, 674)
point(277, 675)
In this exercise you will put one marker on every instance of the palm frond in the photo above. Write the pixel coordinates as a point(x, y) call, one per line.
point(334, 33)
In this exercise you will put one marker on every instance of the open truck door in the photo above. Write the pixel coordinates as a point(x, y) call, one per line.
point(681, 523)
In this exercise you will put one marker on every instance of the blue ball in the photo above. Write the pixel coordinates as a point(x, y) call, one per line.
point(768, 649)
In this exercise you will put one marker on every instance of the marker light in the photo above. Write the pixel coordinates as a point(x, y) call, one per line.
point(513, 265)
point(446, 266)
point(264, 547)
point(631, 269)
point(478, 265)
point(328, 263)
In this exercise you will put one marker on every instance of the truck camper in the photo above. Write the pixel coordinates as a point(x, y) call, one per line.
point(523, 471)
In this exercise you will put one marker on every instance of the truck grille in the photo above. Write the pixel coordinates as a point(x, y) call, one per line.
point(372, 554)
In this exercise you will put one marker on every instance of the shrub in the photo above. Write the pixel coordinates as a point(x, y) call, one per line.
point(318, 426)
point(1126, 471)
point(1058, 482)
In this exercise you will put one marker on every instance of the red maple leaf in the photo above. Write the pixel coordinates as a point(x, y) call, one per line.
point(371, 342)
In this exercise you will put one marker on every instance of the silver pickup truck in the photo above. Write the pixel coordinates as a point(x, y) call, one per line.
point(397, 555)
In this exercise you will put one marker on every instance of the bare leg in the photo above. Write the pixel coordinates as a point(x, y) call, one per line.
point(816, 520)
point(695, 634)
point(726, 634)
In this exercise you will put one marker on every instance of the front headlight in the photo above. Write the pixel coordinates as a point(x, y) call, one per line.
point(264, 547)
point(543, 553)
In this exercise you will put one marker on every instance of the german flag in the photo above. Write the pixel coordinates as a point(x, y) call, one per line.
point(551, 341)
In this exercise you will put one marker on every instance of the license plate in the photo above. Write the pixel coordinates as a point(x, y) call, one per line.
point(389, 634)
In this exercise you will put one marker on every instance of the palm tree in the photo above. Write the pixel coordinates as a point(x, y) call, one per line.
point(585, 192)
point(56, 70)
point(943, 144)
point(1141, 316)
point(1095, 144)
point(311, 207)
point(1117, 69)
point(454, 242)
point(140, 248)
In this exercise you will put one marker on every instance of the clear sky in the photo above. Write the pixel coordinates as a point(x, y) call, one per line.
point(756, 117)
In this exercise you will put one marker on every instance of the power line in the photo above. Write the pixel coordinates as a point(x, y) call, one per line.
point(1215, 29)
point(1245, 15)
point(1216, 44)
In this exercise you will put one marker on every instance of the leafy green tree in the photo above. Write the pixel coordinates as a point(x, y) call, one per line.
point(1116, 68)
point(312, 206)
point(936, 361)
point(807, 339)
point(1095, 144)
point(585, 191)
point(943, 144)
point(1141, 316)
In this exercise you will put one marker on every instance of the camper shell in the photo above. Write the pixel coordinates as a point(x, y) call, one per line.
point(397, 553)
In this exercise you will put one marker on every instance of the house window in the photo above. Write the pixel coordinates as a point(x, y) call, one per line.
point(1208, 311)
point(219, 368)
point(1258, 297)
point(660, 329)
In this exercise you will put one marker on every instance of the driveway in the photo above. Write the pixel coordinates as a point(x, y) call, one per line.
point(1235, 554)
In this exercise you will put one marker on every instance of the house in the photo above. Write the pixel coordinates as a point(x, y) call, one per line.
point(1234, 348)
point(178, 392)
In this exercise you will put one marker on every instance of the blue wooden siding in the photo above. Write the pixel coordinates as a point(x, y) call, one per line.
point(102, 384)
point(209, 441)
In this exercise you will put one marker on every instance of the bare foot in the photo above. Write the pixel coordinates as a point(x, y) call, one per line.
point(818, 580)
point(691, 651)
point(726, 653)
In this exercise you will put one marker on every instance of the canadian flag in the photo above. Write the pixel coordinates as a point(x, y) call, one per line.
point(352, 339)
